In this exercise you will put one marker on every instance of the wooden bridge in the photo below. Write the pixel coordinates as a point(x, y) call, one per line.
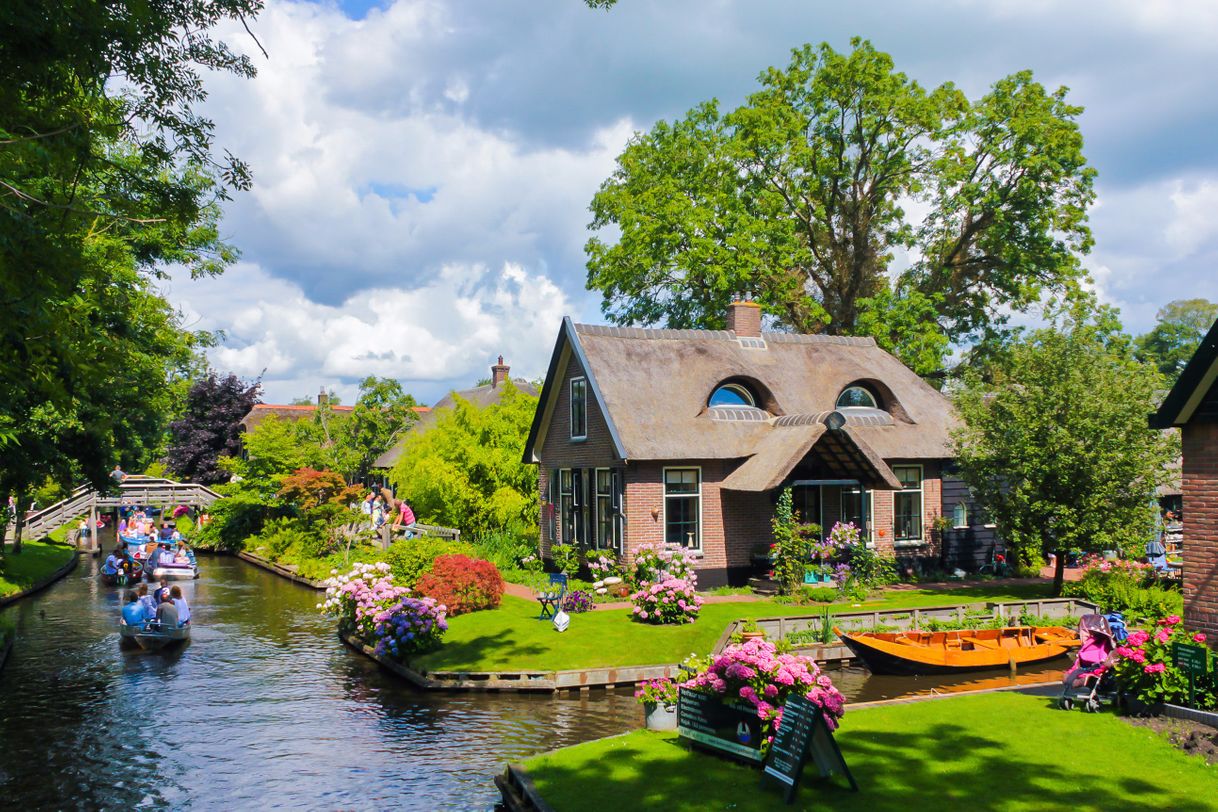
point(134, 490)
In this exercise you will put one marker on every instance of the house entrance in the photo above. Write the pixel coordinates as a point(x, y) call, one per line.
point(828, 501)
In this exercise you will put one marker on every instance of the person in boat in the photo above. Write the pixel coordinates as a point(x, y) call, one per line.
point(146, 601)
point(166, 532)
point(175, 593)
point(134, 613)
point(161, 592)
point(167, 613)
point(122, 527)
point(114, 562)
point(181, 555)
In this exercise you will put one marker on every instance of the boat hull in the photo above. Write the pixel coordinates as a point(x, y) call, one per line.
point(153, 639)
point(882, 654)
point(176, 573)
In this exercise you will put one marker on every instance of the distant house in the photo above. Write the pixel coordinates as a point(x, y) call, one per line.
point(688, 436)
point(1192, 406)
point(297, 411)
point(483, 395)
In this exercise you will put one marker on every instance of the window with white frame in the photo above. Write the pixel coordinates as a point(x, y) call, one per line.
point(683, 507)
point(566, 505)
point(907, 505)
point(960, 515)
point(579, 408)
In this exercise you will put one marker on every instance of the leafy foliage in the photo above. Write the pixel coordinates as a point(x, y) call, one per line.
point(350, 442)
point(1055, 443)
point(792, 544)
point(462, 584)
point(797, 197)
point(466, 469)
point(411, 560)
point(1181, 326)
point(1128, 587)
point(210, 427)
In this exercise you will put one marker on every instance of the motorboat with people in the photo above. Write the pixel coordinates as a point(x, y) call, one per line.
point(154, 620)
point(152, 636)
point(120, 569)
point(917, 653)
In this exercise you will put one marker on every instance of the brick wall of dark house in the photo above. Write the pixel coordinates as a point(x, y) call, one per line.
point(1200, 486)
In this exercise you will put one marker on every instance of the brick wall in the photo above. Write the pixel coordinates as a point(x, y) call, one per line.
point(1200, 479)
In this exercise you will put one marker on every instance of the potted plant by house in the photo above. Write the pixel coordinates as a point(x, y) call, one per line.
point(751, 631)
point(818, 574)
point(659, 700)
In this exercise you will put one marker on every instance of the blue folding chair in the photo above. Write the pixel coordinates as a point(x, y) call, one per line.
point(551, 599)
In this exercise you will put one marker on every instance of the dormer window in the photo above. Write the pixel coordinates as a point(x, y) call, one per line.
point(732, 395)
point(853, 396)
point(579, 408)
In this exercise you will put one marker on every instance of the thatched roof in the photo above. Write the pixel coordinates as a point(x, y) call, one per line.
point(479, 396)
point(284, 411)
point(653, 386)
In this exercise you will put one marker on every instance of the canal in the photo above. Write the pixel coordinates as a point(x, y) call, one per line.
point(265, 708)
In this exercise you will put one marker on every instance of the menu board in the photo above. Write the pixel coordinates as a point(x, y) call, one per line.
point(804, 734)
point(730, 727)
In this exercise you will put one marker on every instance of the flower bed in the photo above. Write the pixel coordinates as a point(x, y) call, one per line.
point(671, 600)
point(1145, 670)
point(372, 608)
point(755, 672)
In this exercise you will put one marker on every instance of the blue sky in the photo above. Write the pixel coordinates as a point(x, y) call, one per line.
point(423, 167)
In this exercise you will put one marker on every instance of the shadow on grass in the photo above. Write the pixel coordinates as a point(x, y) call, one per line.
point(486, 648)
point(945, 766)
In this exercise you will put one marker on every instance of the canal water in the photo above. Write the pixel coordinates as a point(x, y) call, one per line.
point(264, 708)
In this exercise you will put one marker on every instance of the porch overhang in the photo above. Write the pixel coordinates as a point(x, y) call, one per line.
point(847, 456)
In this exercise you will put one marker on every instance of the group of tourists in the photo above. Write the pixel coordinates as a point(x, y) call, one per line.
point(164, 608)
point(380, 506)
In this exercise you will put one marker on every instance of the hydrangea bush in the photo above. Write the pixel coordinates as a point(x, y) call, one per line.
point(359, 596)
point(411, 626)
point(1144, 666)
point(671, 600)
point(654, 563)
point(756, 673)
point(661, 691)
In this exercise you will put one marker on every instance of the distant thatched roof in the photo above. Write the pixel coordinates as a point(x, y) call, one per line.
point(479, 396)
point(295, 412)
point(654, 386)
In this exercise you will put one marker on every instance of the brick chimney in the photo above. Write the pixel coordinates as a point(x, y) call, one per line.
point(744, 319)
point(499, 373)
point(322, 397)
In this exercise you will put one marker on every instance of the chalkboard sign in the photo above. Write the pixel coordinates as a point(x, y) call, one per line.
point(804, 734)
point(1192, 660)
point(730, 727)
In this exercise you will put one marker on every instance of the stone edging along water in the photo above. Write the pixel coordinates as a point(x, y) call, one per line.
point(44, 583)
point(280, 570)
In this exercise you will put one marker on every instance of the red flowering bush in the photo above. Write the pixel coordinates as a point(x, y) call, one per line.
point(1144, 666)
point(462, 584)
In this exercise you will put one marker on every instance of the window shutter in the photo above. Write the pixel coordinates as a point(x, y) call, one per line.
point(619, 518)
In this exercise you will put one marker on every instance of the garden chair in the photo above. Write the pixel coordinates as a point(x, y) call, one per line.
point(551, 598)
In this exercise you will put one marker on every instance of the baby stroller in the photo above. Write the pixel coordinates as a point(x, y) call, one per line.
point(1091, 680)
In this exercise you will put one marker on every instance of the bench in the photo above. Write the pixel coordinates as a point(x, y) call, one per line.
point(551, 598)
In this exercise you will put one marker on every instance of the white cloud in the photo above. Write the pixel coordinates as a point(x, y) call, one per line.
point(434, 337)
point(1193, 222)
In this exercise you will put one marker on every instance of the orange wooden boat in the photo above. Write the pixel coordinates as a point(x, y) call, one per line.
point(917, 652)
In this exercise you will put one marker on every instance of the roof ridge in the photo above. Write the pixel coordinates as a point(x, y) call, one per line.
point(664, 333)
point(819, 338)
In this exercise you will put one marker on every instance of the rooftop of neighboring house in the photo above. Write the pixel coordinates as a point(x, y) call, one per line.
point(300, 411)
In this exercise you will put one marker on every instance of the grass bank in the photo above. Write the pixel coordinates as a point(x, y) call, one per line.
point(991, 752)
point(512, 638)
point(36, 562)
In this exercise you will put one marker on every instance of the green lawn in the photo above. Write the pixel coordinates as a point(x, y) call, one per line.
point(991, 752)
point(36, 561)
point(511, 637)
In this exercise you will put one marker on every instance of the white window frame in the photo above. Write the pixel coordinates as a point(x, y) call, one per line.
point(697, 546)
point(921, 540)
point(598, 542)
point(562, 511)
point(571, 407)
point(962, 505)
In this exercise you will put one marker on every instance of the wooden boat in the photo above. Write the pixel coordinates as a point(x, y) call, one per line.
point(915, 653)
point(151, 637)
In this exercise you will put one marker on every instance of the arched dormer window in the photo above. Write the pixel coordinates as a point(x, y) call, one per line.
point(857, 396)
point(732, 394)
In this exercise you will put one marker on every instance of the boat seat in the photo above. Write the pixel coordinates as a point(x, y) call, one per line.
point(979, 643)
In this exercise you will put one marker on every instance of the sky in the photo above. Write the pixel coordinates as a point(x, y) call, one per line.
point(423, 168)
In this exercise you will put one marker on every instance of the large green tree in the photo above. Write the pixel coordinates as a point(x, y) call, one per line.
point(107, 175)
point(351, 441)
point(465, 470)
point(802, 196)
point(1173, 340)
point(1055, 442)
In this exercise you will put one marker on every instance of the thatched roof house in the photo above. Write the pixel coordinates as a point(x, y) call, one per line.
point(687, 436)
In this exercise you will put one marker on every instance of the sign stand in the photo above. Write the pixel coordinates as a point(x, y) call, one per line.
point(804, 734)
point(1194, 661)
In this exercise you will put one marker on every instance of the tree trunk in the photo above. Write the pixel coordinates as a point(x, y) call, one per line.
point(1059, 573)
point(20, 518)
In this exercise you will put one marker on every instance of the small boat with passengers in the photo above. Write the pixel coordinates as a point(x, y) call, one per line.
point(153, 636)
point(916, 653)
point(164, 564)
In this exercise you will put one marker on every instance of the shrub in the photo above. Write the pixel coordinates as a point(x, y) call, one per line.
point(661, 691)
point(507, 550)
point(410, 559)
point(1145, 669)
point(565, 558)
point(669, 601)
point(1124, 586)
point(577, 601)
point(359, 596)
point(756, 673)
point(654, 563)
point(234, 519)
point(463, 584)
point(793, 544)
point(410, 626)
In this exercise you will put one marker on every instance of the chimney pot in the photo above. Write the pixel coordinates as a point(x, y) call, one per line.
point(744, 319)
point(322, 397)
point(499, 373)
